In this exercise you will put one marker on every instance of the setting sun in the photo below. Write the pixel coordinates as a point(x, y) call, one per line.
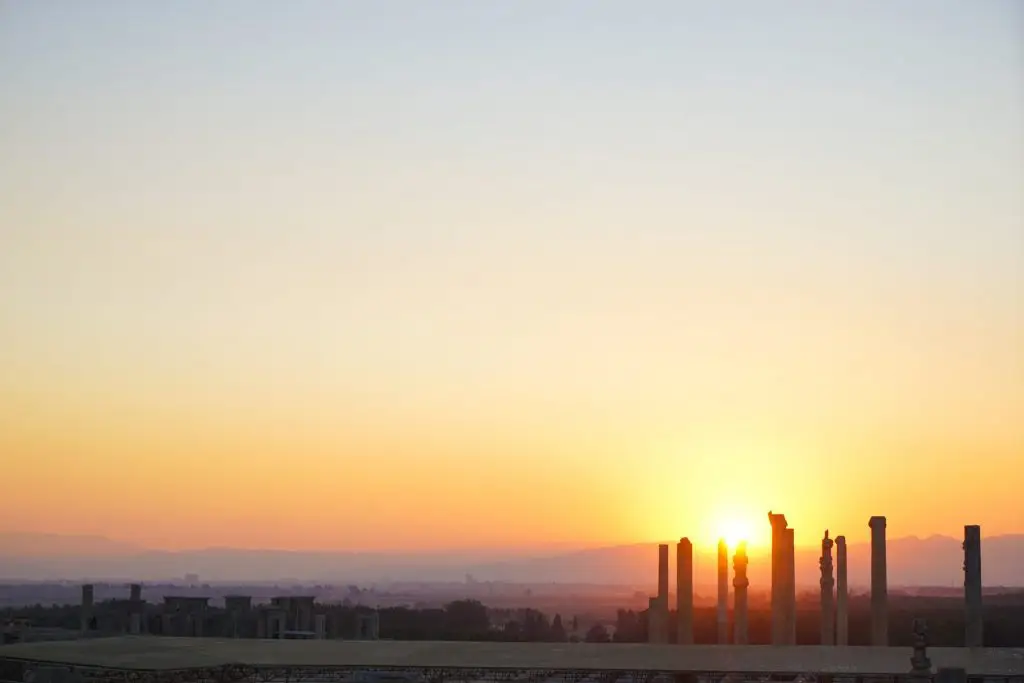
point(735, 530)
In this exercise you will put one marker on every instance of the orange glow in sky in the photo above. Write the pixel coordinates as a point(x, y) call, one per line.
point(400, 283)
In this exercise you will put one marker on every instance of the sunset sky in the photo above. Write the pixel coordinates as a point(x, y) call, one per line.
point(381, 274)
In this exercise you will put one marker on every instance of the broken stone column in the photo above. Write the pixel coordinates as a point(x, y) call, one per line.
point(684, 592)
point(320, 626)
point(654, 621)
point(920, 664)
point(723, 592)
point(827, 585)
point(842, 594)
point(778, 523)
point(789, 556)
point(136, 609)
point(740, 584)
point(375, 625)
point(879, 584)
point(974, 634)
point(86, 613)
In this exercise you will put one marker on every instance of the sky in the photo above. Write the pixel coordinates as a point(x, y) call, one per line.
point(397, 274)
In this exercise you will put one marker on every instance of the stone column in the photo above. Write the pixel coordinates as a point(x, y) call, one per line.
point(86, 613)
point(740, 584)
point(879, 584)
point(662, 604)
point(789, 557)
point(663, 572)
point(974, 635)
point(778, 523)
point(320, 626)
point(375, 625)
point(723, 593)
point(842, 594)
point(137, 609)
point(684, 592)
point(827, 584)
point(654, 621)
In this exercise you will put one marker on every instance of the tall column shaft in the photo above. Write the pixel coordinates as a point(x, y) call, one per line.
point(663, 572)
point(879, 584)
point(974, 635)
point(842, 594)
point(684, 592)
point(740, 584)
point(723, 593)
point(778, 523)
point(661, 633)
point(789, 557)
point(827, 585)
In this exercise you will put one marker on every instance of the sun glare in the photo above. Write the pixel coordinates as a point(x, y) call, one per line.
point(734, 531)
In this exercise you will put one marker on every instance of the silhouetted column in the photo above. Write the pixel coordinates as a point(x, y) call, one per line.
point(842, 594)
point(789, 556)
point(135, 592)
point(654, 621)
point(135, 623)
point(684, 592)
point(663, 572)
point(879, 584)
point(827, 585)
point(974, 635)
point(320, 625)
point(661, 634)
point(778, 523)
point(740, 584)
point(87, 600)
point(723, 592)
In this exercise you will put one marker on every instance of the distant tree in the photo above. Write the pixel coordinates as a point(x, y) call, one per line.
point(513, 630)
point(557, 630)
point(535, 626)
point(598, 634)
point(466, 620)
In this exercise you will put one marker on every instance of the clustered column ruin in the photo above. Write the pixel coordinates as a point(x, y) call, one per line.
point(740, 584)
point(684, 592)
point(842, 594)
point(834, 596)
point(974, 631)
point(827, 584)
point(723, 592)
point(879, 584)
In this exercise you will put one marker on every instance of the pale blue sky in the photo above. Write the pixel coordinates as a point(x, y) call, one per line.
point(660, 221)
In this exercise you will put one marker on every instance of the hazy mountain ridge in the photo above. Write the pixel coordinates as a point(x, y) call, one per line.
point(932, 561)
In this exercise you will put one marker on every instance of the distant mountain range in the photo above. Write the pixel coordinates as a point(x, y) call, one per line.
point(933, 561)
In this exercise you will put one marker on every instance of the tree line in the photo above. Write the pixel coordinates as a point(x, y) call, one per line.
point(472, 620)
